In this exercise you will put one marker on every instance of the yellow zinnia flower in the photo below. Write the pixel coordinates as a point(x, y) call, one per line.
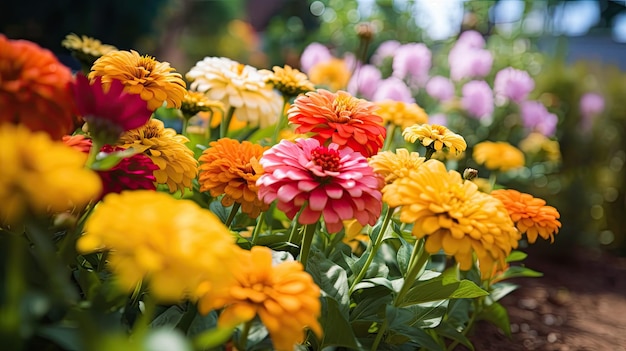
point(333, 74)
point(395, 165)
point(498, 156)
point(284, 297)
point(454, 216)
point(435, 137)
point(401, 113)
point(289, 81)
point(174, 244)
point(537, 144)
point(39, 176)
point(156, 82)
point(530, 214)
point(86, 49)
point(231, 168)
point(177, 165)
point(195, 102)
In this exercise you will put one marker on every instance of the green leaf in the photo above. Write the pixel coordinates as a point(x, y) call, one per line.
point(261, 134)
point(428, 315)
point(448, 331)
point(69, 338)
point(202, 323)
point(337, 329)
point(369, 303)
point(170, 317)
point(441, 288)
point(219, 210)
point(501, 289)
point(516, 256)
point(497, 314)
point(517, 272)
point(400, 320)
point(331, 278)
point(372, 282)
point(403, 256)
point(212, 338)
point(458, 312)
point(105, 161)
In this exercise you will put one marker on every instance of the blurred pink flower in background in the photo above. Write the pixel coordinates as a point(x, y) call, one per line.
point(313, 54)
point(469, 62)
point(591, 105)
point(364, 82)
point(477, 99)
point(513, 84)
point(412, 62)
point(471, 39)
point(440, 88)
point(385, 49)
point(394, 89)
point(439, 119)
point(537, 118)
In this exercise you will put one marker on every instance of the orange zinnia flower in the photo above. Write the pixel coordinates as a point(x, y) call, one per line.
point(35, 88)
point(530, 214)
point(232, 168)
point(339, 118)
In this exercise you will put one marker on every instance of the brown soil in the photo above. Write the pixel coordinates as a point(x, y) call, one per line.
point(579, 304)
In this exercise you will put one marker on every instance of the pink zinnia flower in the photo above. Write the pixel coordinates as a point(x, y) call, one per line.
point(536, 117)
point(313, 54)
point(513, 84)
point(477, 99)
point(131, 173)
point(468, 62)
point(335, 183)
point(110, 112)
point(440, 88)
point(365, 81)
point(471, 39)
point(394, 89)
point(385, 50)
point(412, 62)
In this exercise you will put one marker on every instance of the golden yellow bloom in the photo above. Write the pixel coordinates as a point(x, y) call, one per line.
point(498, 156)
point(395, 165)
point(289, 81)
point(284, 296)
point(177, 165)
point(39, 175)
point(401, 113)
point(195, 102)
point(174, 244)
point(354, 236)
point(333, 74)
point(156, 82)
point(539, 145)
point(530, 214)
point(231, 168)
point(435, 136)
point(86, 49)
point(454, 216)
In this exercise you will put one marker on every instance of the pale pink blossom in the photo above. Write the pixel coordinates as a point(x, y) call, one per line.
point(336, 184)
point(364, 81)
point(440, 88)
point(394, 89)
point(469, 62)
point(385, 50)
point(536, 117)
point(412, 63)
point(477, 99)
point(471, 39)
point(513, 84)
point(591, 106)
point(313, 54)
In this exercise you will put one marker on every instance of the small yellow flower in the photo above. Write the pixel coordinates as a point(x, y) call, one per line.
point(333, 74)
point(86, 49)
point(40, 176)
point(284, 297)
point(395, 165)
point(156, 82)
point(289, 81)
point(498, 156)
point(177, 165)
point(537, 144)
point(174, 244)
point(195, 102)
point(435, 137)
point(401, 113)
point(354, 236)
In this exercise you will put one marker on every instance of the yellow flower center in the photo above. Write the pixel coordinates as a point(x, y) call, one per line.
point(240, 68)
point(326, 158)
point(145, 66)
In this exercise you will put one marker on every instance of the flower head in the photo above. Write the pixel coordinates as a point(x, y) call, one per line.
point(237, 86)
point(530, 214)
point(195, 102)
point(174, 244)
point(477, 99)
point(466, 62)
point(412, 62)
point(400, 113)
point(435, 136)
point(78, 142)
point(313, 54)
point(35, 88)
point(108, 110)
point(231, 168)
point(364, 82)
point(440, 88)
point(86, 49)
point(386, 50)
point(537, 144)
point(339, 118)
point(131, 173)
point(329, 181)
point(536, 117)
point(177, 165)
point(333, 74)
point(283, 295)
point(40, 175)
point(513, 84)
point(591, 105)
point(498, 156)
point(156, 82)
point(396, 165)
point(289, 81)
point(453, 216)
point(393, 88)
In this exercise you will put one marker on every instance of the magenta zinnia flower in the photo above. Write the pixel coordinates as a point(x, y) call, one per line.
point(110, 112)
point(132, 173)
point(336, 183)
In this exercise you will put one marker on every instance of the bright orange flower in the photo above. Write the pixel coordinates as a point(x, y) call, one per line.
point(530, 214)
point(339, 118)
point(35, 88)
point(78, 142)
point(232, 168)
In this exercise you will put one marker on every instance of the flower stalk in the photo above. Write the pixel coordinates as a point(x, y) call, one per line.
point(307, 241)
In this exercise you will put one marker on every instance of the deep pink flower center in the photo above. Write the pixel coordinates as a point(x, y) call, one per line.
point(327, 159)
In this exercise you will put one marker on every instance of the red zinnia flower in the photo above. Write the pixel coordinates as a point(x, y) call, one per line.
point(109, 112)
point(339, 118)
point(35, 88)
point(132, 173)
point(336, 183)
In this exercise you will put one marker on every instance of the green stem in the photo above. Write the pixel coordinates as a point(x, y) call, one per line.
point(185, 125)
point(429, 153)
point(379, 335)
point(93, 152)
point(470, 324)
point(257, 228)
point(281, 121)
point(372, 254)
point(143, 322)
point(10, 316)
point(492, 180)
point(233, 213)
point(307, 240)
point(418, 260)
point(243, 338)
point(226, 122)
point(294, 228)
point(390, 136)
